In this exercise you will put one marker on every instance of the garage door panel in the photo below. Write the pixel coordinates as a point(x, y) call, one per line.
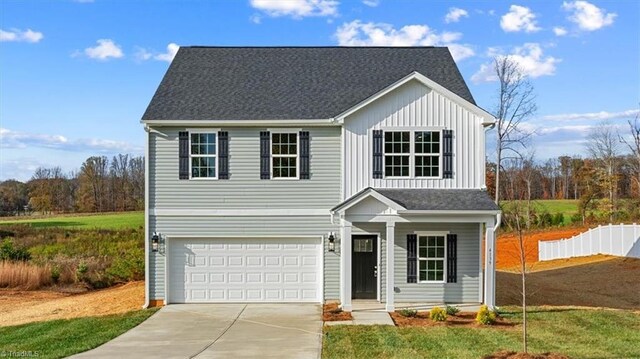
point(252, 270)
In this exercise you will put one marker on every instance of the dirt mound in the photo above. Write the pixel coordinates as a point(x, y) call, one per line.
point(513, 355)
point(19, 307)
point(611, 283)
point(508, 251)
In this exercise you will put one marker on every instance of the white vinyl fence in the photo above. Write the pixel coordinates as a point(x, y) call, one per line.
point(614, 239)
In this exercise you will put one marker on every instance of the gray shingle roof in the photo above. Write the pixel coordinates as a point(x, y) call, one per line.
point(441, 199)
point(265, 83)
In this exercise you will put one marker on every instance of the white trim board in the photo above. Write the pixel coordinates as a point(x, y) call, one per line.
point(261, 212)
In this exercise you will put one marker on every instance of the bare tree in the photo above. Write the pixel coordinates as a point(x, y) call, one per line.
point(516, 104)
point(634, 146)
point(604, 146)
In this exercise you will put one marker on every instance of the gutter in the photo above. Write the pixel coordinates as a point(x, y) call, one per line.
point(243, 123)
point(498, 221)
point(146, 218)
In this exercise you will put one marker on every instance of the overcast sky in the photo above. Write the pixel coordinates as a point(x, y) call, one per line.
point(76, 76)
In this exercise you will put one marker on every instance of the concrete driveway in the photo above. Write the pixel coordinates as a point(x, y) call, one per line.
point(221, 331)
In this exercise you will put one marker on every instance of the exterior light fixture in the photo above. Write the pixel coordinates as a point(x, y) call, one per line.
point(332, 242)
point(155, 242)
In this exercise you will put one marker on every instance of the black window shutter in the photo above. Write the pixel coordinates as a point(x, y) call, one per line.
point(412, 257)
point(377, 153)
point(265, 154)
point(223, 155)
point(452, 258)
point(447, 153)
point(304, 155)
point(183, 155)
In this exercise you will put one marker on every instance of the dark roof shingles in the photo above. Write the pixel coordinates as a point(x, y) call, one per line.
point(441, 199)
point(267, 83)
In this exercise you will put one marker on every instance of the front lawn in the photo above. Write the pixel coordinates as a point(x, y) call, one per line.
point(61, 338)
point(578, 333)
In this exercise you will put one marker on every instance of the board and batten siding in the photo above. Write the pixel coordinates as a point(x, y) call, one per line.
point(243, 190)
point(413, 105)
point(466, 290)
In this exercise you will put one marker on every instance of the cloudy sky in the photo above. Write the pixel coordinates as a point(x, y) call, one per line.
point(76, 76)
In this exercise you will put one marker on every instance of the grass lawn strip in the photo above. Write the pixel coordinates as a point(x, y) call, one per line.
point(120, 220)
point(61, 338)
point(577, 333)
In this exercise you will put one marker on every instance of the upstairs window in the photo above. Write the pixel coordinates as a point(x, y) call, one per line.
point(203, 155)
point(427, 153)
point(431, 258)
point(397, 153)
point(284, 155)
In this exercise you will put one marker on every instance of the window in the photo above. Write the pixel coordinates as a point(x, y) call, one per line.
point(284, 155)
point(397, 153)
point(203, 152)
point(431, 258)
point(427, 152)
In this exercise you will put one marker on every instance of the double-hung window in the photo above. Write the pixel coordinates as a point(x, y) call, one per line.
point(431, 258)
point(397, 153)
point(412, 154)
point(427, 153)
point(284, 155)
point(203, 155)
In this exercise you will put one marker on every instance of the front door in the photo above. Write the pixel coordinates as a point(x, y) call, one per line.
point(364, 270)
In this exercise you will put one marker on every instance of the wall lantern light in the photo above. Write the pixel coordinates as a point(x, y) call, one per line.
point(155, 242)
point(332, 242)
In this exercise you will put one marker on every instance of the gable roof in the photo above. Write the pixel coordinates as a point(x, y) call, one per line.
point(426, 199)
point(276, 83)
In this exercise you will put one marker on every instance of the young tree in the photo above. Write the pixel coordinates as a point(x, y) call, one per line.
point(516, 104)
point(604, 147)
point(634, 146)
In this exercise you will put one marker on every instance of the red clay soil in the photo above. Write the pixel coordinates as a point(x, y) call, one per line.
point(513, 355)
point(508, 251)
point(462, 319)
point(331, 312)
point(610, 283)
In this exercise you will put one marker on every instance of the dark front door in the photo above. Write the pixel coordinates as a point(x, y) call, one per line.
point(364, 281)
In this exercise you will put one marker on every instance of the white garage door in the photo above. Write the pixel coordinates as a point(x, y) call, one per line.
point(244, 270)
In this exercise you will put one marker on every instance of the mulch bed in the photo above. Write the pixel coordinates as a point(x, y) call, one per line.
point(462, 319)
point(331, 312)
point(513, 355)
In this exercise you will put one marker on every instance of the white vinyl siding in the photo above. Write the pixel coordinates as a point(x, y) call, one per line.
point(413, 106)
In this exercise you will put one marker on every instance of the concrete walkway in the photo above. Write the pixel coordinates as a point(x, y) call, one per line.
point(221, 331)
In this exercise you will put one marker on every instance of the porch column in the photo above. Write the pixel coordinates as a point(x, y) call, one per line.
point(391, 234)
point(490, 266)
point(345, 265)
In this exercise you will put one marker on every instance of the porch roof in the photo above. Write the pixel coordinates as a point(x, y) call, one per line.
point(427, 199)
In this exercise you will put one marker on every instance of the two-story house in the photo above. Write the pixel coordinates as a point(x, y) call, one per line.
point(306, 174)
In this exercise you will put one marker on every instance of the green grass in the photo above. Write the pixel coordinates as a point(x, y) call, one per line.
point(573, 332)
point(120, 220)
point(568, 207)
point(61, 338)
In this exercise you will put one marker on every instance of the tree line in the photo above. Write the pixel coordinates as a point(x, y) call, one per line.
point(100, 185)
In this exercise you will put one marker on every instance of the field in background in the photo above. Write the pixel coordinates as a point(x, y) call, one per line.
point(119, 220)
point(568, 207)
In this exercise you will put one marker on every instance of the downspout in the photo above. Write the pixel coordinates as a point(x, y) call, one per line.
point(146, 218)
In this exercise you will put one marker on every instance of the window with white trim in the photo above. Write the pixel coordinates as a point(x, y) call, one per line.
point(427, 153)
point(397, 153)
point(431, 258)
point(203, 155)
point(284, 155)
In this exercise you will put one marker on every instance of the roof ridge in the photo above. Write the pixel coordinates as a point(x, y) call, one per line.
point(311, 47)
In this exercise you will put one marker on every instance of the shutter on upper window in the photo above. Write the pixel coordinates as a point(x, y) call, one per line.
point(304, 155)
point(377, 154)
point(412, 258)
point(452, 258)
point(447, 153)
point(183, 155)
point(223, 155)
point(265, 154)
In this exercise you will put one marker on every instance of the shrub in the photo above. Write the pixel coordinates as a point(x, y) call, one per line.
point(438, 314)
point(81, 271)
point(451, 310)
point(9, 252)
point(55, 274)
point(409, 313)
point(558, 219)
point(576, 218)
point(486, 316)
point(544, 219)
